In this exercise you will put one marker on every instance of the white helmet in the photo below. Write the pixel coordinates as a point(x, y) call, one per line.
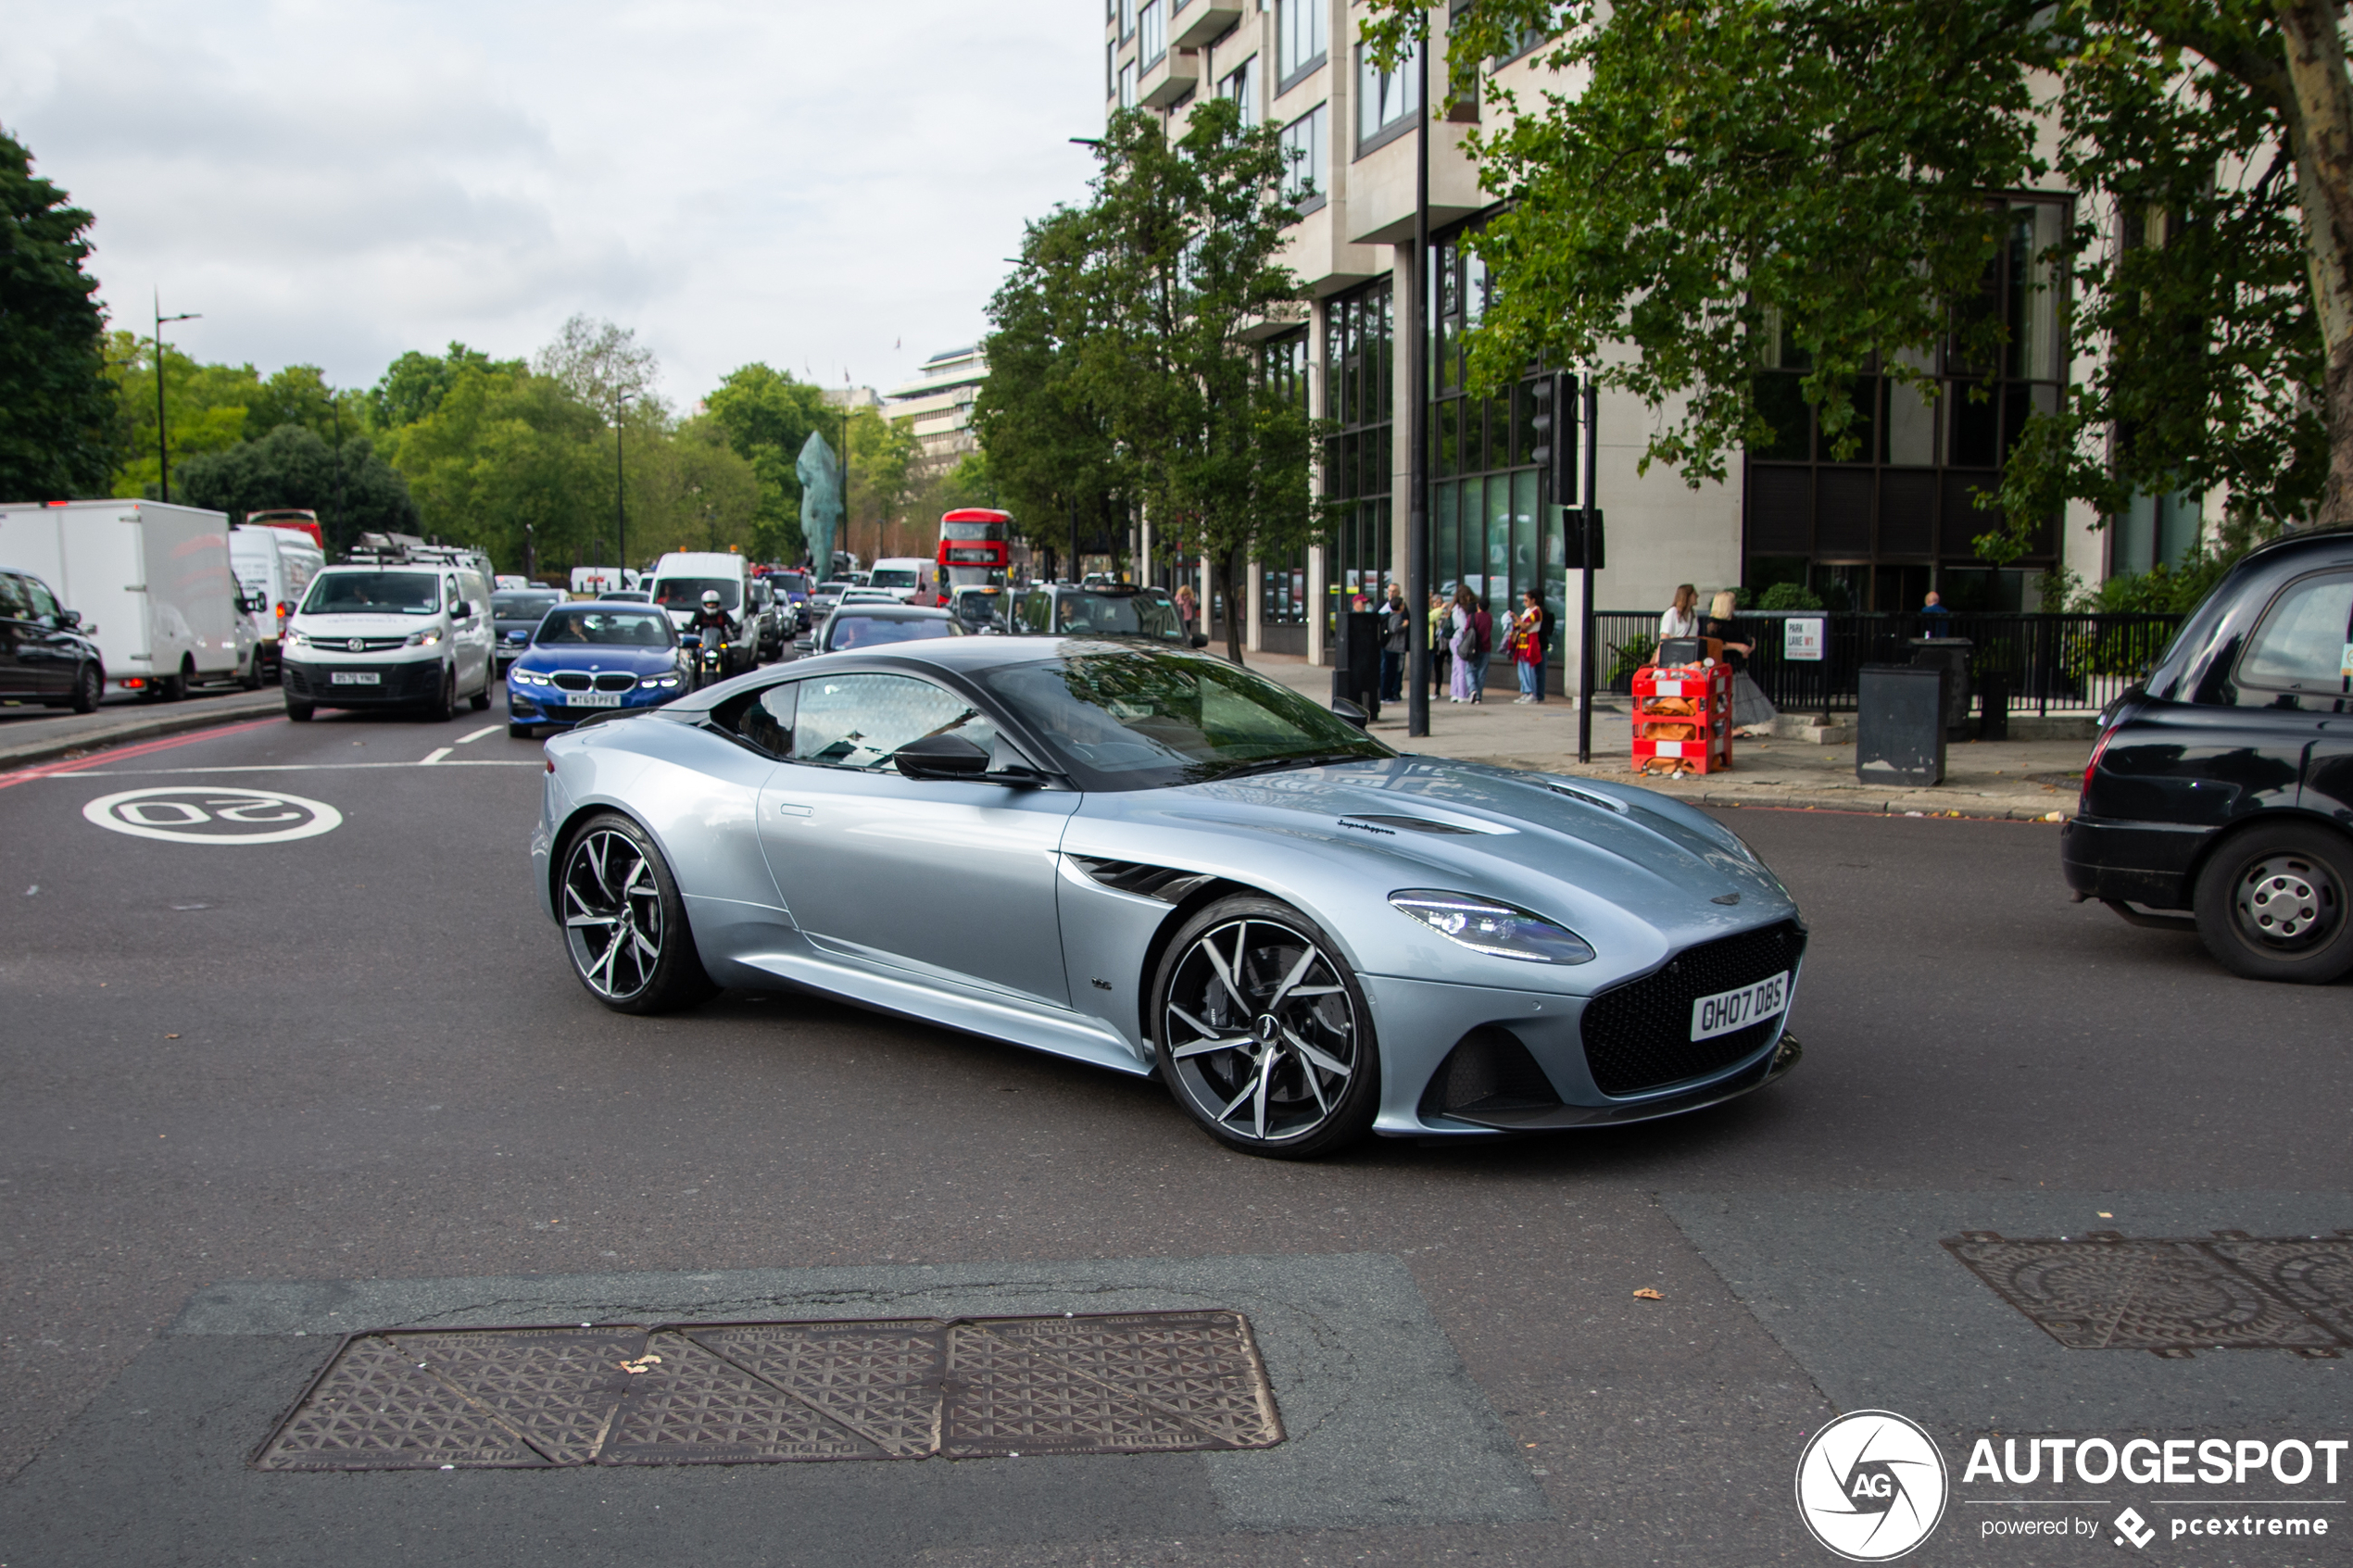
point(710, 598)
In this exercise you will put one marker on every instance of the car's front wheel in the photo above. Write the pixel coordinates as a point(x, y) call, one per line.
point(1262, 1031)
point(625, 922)
point(2272, 904)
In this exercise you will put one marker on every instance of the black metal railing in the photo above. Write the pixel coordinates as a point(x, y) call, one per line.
point(2063, 663)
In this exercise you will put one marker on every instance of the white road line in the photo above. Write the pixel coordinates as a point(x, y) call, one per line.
point(434, 756)
point(486, 730)
point(289, 768)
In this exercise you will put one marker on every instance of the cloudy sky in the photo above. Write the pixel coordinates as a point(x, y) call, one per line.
point(829, 187)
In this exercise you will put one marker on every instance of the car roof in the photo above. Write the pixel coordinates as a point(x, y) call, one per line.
point(891, 609)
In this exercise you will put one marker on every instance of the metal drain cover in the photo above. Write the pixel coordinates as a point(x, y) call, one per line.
point(764, 1392)
point(2101, 1291)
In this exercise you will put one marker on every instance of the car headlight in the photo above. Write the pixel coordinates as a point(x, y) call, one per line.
point(659, 681)
point(1498, 929)
point(423, 639)
point(298, 639)
point(528, 677)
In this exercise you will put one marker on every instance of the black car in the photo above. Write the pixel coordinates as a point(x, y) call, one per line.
point(2223, 783)
point(1100, 610)
point(45, 655)
point(515, 614)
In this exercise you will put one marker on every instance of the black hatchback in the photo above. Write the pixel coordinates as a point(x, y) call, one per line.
point(2223, 784)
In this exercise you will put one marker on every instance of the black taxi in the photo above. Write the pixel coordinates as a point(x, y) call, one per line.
point(2222, 785)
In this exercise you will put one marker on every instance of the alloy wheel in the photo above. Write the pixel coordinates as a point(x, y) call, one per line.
point(1260, 1030)
point(2286, 901)
point(612, 914)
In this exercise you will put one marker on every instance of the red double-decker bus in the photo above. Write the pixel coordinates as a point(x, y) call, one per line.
point(976, 547)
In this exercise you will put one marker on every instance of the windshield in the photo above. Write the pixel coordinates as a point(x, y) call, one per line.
point(972, 531)
point(605, 624)
point(685, 593)
point(373, 593)
point(521, 606)
point(789, 582)
point(1118, 615)
point(1142, 719)
point(981, 609)
point(892, 577)
point(871, 631)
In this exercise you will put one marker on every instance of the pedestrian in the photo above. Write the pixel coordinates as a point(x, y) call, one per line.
point(1461, 639)
point(1483, 624)
point(1440, 656)
point(1397, 635)
point(1935, 618)
point(1752, 710)
point(1682, 618)
point(1531, 641)
point(1187, 608)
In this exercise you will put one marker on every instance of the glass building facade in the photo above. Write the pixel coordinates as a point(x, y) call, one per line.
point(1359, 469)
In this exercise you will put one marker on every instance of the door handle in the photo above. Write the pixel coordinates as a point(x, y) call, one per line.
point(790, 810)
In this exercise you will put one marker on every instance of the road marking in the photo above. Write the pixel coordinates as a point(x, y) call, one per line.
point(434, 756)
point(174, 812)
point(486, 730)
point(123, 754)
point(293, 767)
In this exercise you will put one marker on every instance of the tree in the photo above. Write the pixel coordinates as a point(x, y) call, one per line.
point(602, 365)
point(1821, 169)
point(884, 474)
point(299, 394)
point(293, 466)
point(414, 384)
point(206, 405)
point(505, 458)
point(58, 434)
point(766, 417)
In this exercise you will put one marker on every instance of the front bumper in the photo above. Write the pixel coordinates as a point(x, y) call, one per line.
point(546, 704)
point(2132, 862)
point(415, 680)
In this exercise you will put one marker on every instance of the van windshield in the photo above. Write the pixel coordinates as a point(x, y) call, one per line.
point(373, 593)
point(685, 593)
point(892, 577)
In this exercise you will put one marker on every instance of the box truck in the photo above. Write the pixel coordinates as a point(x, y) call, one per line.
point(152, 584)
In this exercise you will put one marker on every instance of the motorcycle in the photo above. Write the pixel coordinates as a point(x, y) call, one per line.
point(707, 658)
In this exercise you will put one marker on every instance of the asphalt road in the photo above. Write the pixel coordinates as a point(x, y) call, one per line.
point(359, 1056)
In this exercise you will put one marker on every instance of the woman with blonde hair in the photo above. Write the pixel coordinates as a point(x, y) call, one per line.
point(1752, 710)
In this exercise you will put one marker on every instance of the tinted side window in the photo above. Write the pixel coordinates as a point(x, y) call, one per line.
point(767, 720)
point(12, 598)
point(858, 720)
point(2305, 644)
point(36, 598)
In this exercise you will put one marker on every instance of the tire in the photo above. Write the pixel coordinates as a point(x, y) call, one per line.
point(172, 688)
point(2272, 904)
point(1263, 1032)
point(252, 679)
point(518, 732)
point(439, 709)
point(299, 712)
point(624, 924)
point(89, 686)
point(479, 701)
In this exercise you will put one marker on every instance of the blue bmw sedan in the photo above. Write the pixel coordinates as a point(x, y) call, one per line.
point(586, 659)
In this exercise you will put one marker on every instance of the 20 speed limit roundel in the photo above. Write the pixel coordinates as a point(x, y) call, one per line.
point(1871, 1486)
point(213, 814)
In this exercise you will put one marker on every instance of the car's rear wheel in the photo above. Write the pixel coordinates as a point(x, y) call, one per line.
point(89, 686)
point(2272, 904)
point(1262, 1031)
point(625, 922)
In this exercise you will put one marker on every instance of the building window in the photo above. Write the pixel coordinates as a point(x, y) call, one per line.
point(1301, 40)
point(1282, 364)
point(1127, 20)
point(1305, 150)
point(1359, 385)
point(1128, 85)
point(1111, 71)
point(1489, 528)
point(1877, 528)
point(1241, 86)
point(1386, 100)
point(1151, 23)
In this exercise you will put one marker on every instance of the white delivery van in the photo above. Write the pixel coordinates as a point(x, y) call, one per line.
point(152, 582)
point(274, 567)
point(681, 577)
point(416, 636)
point(590, 581)
point(908, 579)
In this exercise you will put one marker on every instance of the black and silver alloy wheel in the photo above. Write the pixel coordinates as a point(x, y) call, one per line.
point(1263, 1032)
point(2272, 904)
point(625, 922)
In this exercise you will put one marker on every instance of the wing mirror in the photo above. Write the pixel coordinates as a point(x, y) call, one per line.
point(1201, 639)
point(941, 757)
point(69, 619)
point(1351, 713)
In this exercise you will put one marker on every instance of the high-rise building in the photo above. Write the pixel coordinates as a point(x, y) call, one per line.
point(939, 400)
point(1875, 532)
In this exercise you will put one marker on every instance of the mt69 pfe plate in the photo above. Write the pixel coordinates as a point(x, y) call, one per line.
point(766, 1392)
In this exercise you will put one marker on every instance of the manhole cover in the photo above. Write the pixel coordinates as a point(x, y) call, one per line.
point(2102, 1291)
point(765, 1392)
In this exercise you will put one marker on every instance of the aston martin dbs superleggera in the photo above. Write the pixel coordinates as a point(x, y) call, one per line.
point(1149, 859)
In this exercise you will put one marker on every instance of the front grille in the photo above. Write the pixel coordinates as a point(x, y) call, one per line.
point(1638, 1035)
point(610, 683)
point(1488, 1071)
point(572, 681)
point(412, 682)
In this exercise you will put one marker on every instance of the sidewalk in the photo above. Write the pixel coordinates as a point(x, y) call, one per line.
point(29, 733)
point(2021, 780)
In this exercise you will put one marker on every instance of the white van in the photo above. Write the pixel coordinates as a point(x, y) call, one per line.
point(274, 567)
point(590, 581)
point(681, 577)
point(378, 637)
point(908, 579)
point(151, 583)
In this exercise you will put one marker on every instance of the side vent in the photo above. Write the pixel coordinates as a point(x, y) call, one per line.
point(1409, 825)
point(1487, 1072)
point(1145, 881)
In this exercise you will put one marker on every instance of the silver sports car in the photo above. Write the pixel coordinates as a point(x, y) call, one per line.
point(1154, 860)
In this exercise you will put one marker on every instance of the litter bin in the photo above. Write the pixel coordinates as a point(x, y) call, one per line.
point(1993, 706)
point(1899, 728)
point(1950, 654)
point(1356, 666)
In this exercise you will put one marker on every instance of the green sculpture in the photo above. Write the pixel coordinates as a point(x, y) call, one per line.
point(819, 501)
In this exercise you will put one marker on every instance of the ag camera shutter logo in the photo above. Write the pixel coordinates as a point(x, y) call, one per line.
point(1871, 1486)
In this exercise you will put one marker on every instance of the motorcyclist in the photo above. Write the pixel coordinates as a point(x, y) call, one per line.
point(714, 625)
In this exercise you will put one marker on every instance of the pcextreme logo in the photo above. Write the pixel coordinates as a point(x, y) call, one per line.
point(1871, 1486)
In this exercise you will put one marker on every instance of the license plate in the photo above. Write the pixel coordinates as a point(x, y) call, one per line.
point(356, 678)
point(1738, 1007)
point(592, 699)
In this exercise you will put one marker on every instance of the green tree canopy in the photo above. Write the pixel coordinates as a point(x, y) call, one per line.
point(766, 417)
point(414, 384)
point(58, 434)
point(293, 466)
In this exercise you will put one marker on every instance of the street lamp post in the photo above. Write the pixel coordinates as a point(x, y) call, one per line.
point(163, 445)
point(620, 499)
point(1417, 419)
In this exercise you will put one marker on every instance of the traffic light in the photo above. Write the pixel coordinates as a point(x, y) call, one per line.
point(1554, 428)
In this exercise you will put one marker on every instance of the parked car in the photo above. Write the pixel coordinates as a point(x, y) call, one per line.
point(1100, 610)
point(590, 659)
point(1154, 860)
point(870, 625)
point(379, 636)
point(45, 656)
point(515, 615)
point(2222, 785)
